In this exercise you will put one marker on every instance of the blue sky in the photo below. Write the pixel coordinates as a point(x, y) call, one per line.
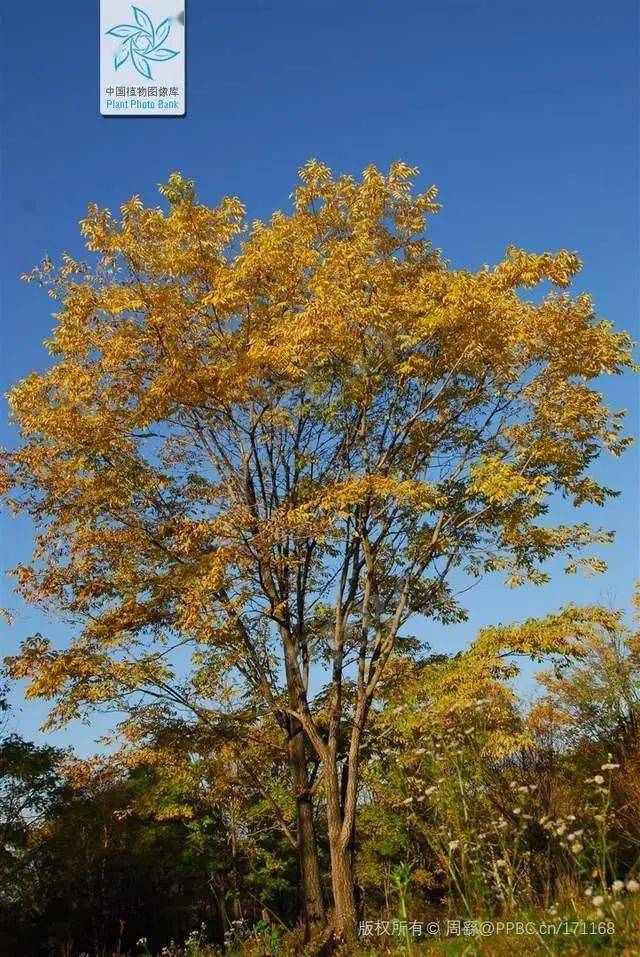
point(525, 116)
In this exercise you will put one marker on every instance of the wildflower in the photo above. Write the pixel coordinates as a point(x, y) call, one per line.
point(618, 905)
point(598, 901)
point(598, 779)
point(588, 892)
point(617, 886)
point(561, 829)
point(577, 847)
point(517, 810)
point(431, 789)
point(142, 942)
point(633, 886)
point(609, 767)
point(454, 845)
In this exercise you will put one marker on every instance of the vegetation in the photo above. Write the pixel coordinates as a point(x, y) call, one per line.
point(259, 455)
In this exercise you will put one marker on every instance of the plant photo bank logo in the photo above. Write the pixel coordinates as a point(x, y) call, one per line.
point(143, 54)
point(142, 44)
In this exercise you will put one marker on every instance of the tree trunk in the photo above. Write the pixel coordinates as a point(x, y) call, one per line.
point(345, 917)
point(343, 896)
point(312, 902)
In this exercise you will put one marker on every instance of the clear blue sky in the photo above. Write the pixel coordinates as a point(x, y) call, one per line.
point(525, 116)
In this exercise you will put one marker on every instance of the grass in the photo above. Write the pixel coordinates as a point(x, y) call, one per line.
point(519, 935)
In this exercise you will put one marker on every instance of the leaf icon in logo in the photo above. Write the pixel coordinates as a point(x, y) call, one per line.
point(141, 64)
point(143, 20)
point(162, 54)
point(142, 43)
point(162, 31)
point(123, 30)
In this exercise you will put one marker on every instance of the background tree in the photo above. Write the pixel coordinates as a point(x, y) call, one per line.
point(451, 775)
point(99, 870)
point(229, 780)
point(277, 444)
point(31, 788)
point(598, 695)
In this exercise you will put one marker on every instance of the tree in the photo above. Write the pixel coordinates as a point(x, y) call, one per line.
point(97, 871)
point(30, 788)
point(209, 778)
point(447, 755)
point(597, 697)
point(276, 444)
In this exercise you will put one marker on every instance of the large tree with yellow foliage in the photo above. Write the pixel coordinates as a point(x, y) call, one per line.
point(274, 444)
